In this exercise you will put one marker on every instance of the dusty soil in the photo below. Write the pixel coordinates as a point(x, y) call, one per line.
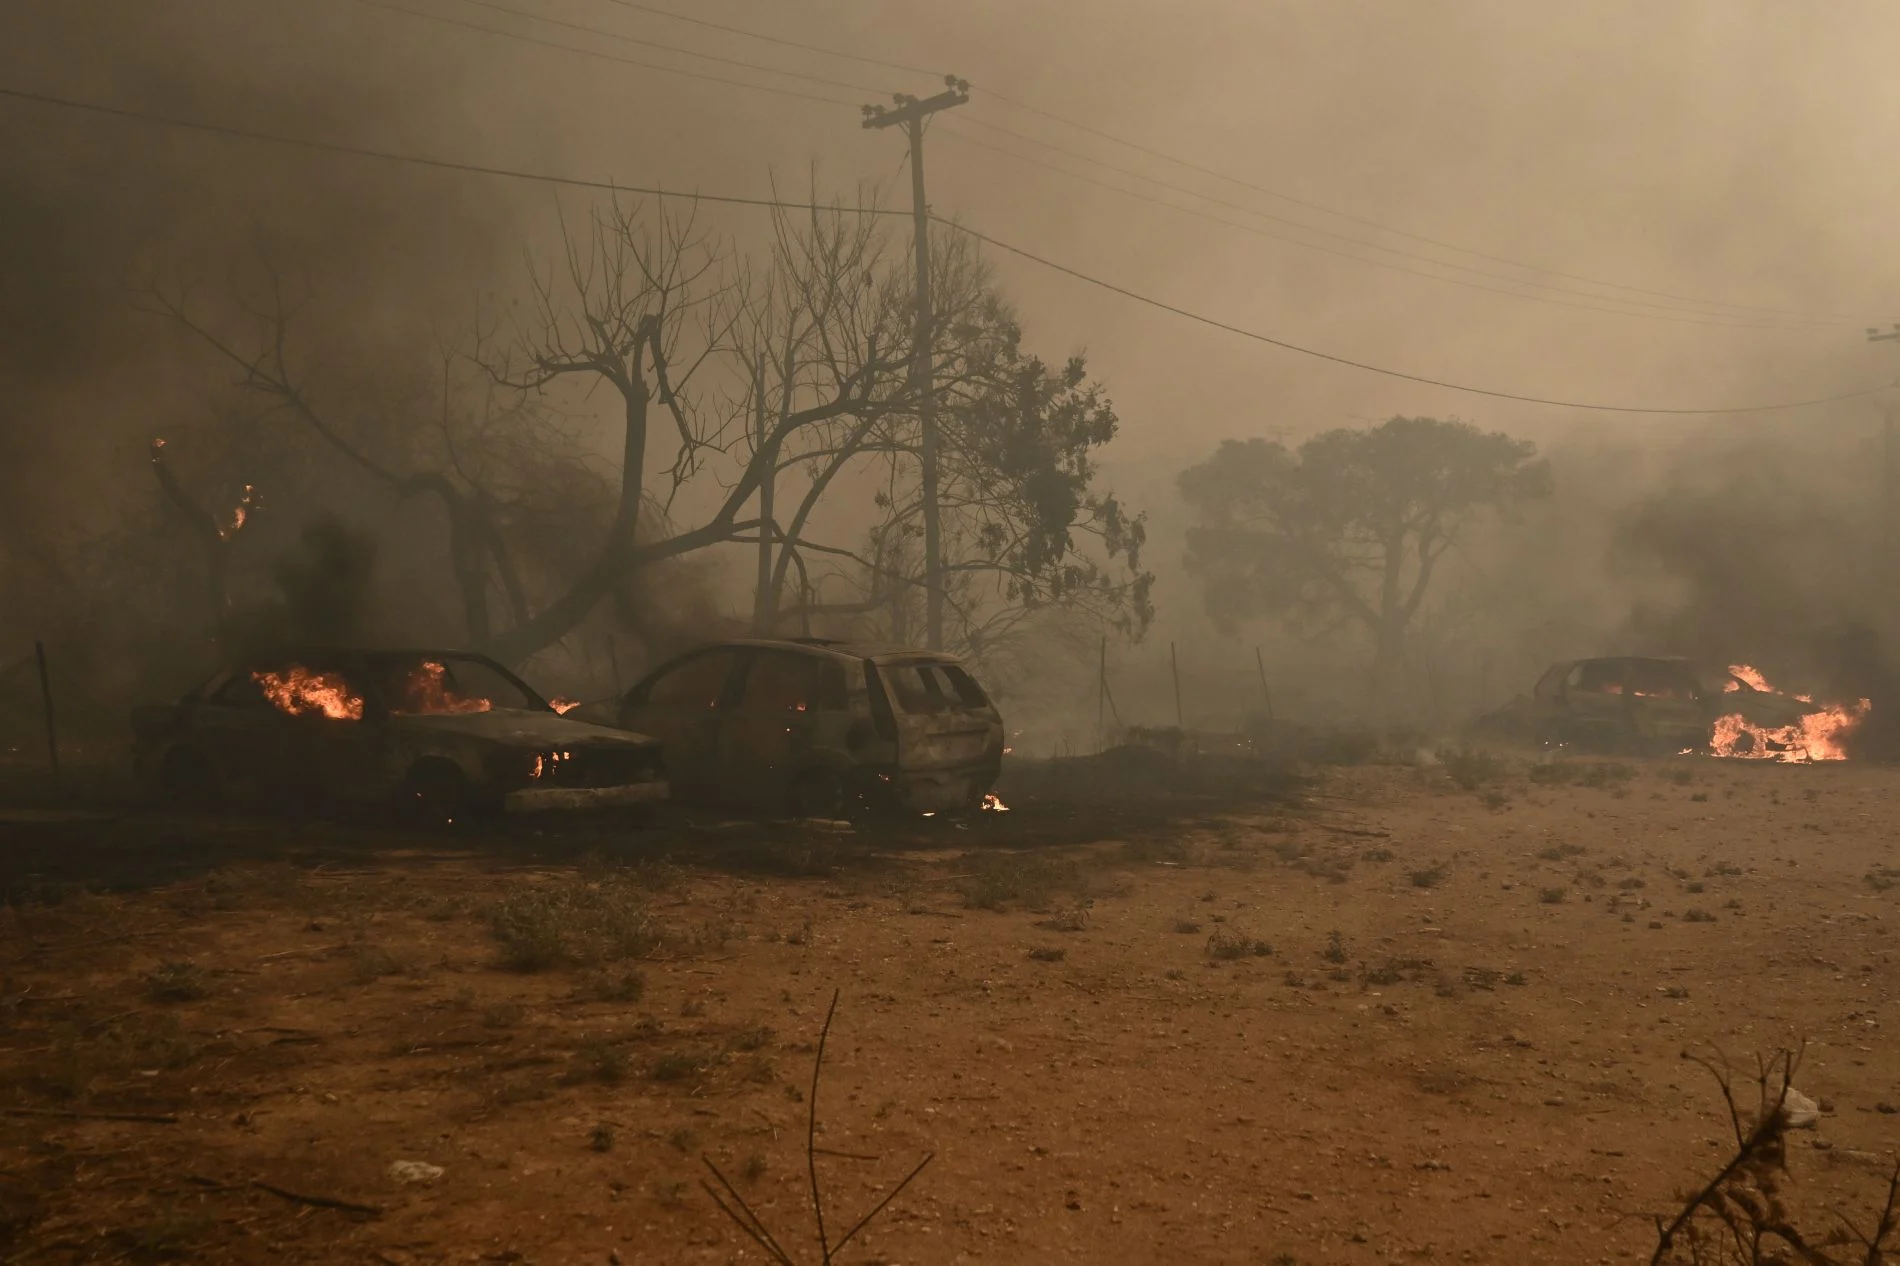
point(1395, 1019)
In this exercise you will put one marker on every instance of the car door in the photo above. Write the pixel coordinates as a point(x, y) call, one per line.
point(789, 715)
point(682, 705)
point(319, 742)
point(249, 740)
point(1597, 696)
point(943, 719)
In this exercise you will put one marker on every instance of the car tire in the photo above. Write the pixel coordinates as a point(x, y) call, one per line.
point(818, 793)
point(435, 794)
point(188, 779)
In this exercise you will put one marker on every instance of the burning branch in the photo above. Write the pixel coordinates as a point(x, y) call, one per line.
point(214, 533)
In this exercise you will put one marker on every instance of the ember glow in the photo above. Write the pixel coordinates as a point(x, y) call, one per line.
point(301, 692)
point(563, 704)
point(1819, 736)
point(428, 692)
point(240, 513)
point(991, 804)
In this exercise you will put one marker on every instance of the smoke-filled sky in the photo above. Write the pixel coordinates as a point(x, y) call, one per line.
point(1715, 173)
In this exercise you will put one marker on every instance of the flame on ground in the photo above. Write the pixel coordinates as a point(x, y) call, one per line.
point(301, 692)
point(428, 692)
point(1818, 736)
point(563, 704)
point(992, 804)
point(240, 513)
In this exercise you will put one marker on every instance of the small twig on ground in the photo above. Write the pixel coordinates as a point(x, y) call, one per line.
point(71, 1114)
point(729, 1202)
point(316, 1202)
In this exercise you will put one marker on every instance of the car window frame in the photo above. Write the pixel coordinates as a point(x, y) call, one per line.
point(641, 695)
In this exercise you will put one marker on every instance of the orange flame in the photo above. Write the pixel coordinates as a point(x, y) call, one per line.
point(301, 692)
point(991, 804)
point(428, 692)
point(240, 513)
point(1818, 736)
point(563, 704)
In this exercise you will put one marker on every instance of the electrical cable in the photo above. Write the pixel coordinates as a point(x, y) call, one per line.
point(334, 147)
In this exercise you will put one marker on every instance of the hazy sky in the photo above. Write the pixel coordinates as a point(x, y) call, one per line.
point(1734, 159)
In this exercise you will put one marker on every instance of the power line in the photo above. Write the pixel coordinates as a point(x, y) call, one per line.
point(773, 39)
point(665, 48)
point(1699, 317)
point(1692, 316)
point(1217, 324)
point(334, 147)
point(421, 160)
point(1152, 152)
point(609, 57)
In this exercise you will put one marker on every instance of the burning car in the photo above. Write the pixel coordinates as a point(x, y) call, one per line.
point(442, 733)
point(1648, 703)
point(812, 726)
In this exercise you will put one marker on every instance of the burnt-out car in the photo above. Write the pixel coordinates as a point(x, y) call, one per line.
point(815, 727)
point(440, 733)
point(1627, 703)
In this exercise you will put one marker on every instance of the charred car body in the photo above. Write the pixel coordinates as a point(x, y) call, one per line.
point(1627, 703)
point(439, 732)
point(814, 727)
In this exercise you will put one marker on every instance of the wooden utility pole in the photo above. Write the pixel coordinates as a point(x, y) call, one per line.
point(910, 113)
point(1889, 571)
point(1174, 667)
point(1266, 691)
point(46, 703)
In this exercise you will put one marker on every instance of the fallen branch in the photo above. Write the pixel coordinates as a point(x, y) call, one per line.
point(70, 1114)
point(316, 1202)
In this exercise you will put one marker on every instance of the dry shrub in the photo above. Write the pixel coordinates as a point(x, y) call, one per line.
point(574, 921)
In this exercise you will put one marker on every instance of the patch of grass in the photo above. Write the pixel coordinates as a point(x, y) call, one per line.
point(683, 1139)
point(81, 1058)
point(503, 1015)
point(1187, 927)
point(1553, 774)
point(1377, 855)
point(1470, 769)
point(1552, 896)
point(1073, 918)
point(751, 1039)
point(677, 1066)
point(1882, 878)
point(1335, 951)
point(1606, 775)
point(1700, 797)
point(600, 986)
point(1559, 852)
point(1394, 971)
point(1631, 883)
point(598, 1060)
point(754, 1168)
point(601, 1138)
point(1430, 877)
point(1515, 978)
point(181, 981)
point(372, 962)
point(1723, 870)
point(997, 881)
point(1695, 914)
point(1230, 943)
point(1048, 954)
point(574, 921)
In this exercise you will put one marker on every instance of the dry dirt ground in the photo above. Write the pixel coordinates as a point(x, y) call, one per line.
point(1391, 1019)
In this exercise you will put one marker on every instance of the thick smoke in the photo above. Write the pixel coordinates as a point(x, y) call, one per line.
point(97, 210)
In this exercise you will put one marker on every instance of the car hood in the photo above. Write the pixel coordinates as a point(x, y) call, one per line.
point(1761, 708)
point(521, 729)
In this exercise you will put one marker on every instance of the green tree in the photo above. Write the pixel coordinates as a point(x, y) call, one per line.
point(1349, 529)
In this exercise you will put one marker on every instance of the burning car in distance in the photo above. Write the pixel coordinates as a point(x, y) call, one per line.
point(440, 734)
point(816, 728)
point(1671, 705)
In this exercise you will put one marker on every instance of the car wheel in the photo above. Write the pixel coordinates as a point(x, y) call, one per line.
point(818, 794)
point(435, 794)
point(188, 778)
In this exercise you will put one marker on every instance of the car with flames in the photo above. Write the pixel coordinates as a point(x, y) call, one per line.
point(818, 728)
point(1635, 703)
point(441, 734)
